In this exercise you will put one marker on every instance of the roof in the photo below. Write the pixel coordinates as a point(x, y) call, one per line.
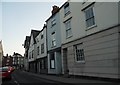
point(17, 54)
point(27, 39)
point(35, 34)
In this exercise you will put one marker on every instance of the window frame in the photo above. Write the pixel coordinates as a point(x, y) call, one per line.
point(82, 55)
point(53, 21)
point(90, 18)
point(68, 28)
point(67, 9)
point(38, 49)
point(42, 35)
point(53, 40)
point(42, 48)
point(51, 60)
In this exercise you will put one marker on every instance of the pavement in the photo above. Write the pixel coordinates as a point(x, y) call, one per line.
point(70, 80)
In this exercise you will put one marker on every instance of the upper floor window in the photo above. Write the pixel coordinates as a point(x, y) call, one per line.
point(32, 53)
point(68, 28)
point(42, 48)
point(53, 39)
point(90, 19)
point(66, 9)
point(38, 50)
point(42, 35)
point(79, 53)
point(53, 21)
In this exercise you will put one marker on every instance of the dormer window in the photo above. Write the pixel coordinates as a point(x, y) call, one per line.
point(66, 9)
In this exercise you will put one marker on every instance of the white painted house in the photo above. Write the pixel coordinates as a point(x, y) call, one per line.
point(89, 33)
point(26, 46)
point(41, 48)
point(32, 53)
point(54, 42)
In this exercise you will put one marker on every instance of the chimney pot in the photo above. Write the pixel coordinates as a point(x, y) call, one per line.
point(55, 9)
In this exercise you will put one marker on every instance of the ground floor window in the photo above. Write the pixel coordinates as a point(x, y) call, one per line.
point(52, 61)
point(79, 53)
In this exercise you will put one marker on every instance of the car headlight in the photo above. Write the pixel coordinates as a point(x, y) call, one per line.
point(9, 71)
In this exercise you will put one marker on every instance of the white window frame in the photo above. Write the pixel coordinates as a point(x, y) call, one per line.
point(92, 17)
point(66, 9)
point(81, 55)
point(53, 21)
point(68, 28)
point(52, 61)
point(53, 41)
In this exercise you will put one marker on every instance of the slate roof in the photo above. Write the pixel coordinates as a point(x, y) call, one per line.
point(35, 34)
point(27, 39)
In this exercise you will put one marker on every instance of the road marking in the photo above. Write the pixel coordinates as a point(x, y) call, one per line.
point(15, 81)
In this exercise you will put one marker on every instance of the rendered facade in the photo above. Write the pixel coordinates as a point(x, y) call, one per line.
point(79, 38)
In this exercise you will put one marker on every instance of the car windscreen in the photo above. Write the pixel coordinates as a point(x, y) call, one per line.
point(4, 69)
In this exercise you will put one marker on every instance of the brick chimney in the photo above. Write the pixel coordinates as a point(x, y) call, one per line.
point(55, 9)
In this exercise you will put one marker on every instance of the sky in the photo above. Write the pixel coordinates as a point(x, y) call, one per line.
point(18, 18)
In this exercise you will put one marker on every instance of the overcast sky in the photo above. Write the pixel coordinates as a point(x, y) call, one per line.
point(18, 18)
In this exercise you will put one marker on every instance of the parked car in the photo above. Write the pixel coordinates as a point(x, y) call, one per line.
point(5, 72)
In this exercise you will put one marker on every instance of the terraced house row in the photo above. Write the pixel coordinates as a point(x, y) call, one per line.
point(79, 38)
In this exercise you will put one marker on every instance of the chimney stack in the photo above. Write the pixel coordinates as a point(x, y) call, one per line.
point(55, 9)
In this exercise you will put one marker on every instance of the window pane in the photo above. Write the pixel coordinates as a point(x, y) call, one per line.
point(52, 64)
point(79, 52)
point(93, 21)
point(66, 9)
point(68, 28)
point(68, 33)
point(89, 17)
point(53, 40)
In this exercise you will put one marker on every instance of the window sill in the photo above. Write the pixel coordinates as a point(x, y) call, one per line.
point(82, 62)
point(53, 25)
point(52, 68)
point(67, 13)
point(68, 37)
point(93, 26)
point(53, 46)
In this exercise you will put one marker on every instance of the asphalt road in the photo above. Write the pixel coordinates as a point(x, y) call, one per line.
point(22, 78)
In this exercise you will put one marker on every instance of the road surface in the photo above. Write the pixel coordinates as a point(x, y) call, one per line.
point(22, 78)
